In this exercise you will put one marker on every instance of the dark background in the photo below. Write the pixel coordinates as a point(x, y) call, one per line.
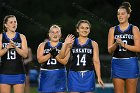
point(36, 16)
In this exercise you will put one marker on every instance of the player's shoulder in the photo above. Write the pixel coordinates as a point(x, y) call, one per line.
point(112, 28)
point(42, 44)
point(22, 36)
point(1, 35)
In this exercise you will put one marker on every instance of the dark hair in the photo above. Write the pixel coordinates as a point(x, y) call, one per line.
point(5, 21)
point(127, 6)
point(82, 21)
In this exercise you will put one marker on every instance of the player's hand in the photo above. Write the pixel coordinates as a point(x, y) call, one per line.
point(101, 82)
point(53, 52)
point(8, 46)
point(120, 42)
point(12, 43)
point(69, 39)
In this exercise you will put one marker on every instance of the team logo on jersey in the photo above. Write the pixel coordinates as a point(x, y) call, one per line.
point(129, 36)
point(16, 43)
point(82, 50)
point(48, 50)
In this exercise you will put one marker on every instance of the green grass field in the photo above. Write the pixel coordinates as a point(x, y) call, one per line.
point(34, 90)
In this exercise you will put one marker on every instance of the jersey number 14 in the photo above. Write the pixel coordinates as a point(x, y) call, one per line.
point(82, 60)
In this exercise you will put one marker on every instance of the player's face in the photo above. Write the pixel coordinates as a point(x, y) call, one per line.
point(83, 29)
point(11, 24)
point(122, 15)
point(55, 34)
